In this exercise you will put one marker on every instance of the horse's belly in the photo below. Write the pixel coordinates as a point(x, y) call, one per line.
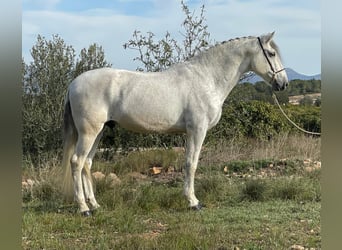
point(142, 122)
point(149, 107)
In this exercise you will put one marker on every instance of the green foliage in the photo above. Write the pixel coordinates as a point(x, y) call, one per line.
point(306, 101)
point(253, 119)
point(261, 91)
point(301, 87)
point(253, 190)
point(91, 58)
point(155, 56)
point(44, 84)
point(307, 117)
point(299, 189)
point(242, 93)
point(245, 166)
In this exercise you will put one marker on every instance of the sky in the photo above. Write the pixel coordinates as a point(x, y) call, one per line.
point(111, 23)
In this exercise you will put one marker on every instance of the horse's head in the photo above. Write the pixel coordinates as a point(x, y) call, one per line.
point(267, 62)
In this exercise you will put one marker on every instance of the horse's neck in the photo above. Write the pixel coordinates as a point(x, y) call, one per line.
point(226, 64)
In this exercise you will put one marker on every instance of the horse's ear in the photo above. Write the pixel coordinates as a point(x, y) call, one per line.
point(267, 37)
point(272, 34)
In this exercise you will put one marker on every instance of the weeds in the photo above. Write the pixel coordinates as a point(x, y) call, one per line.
point(253, 190)
point(270, 198)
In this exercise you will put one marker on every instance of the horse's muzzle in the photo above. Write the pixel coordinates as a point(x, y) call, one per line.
point(279, 87)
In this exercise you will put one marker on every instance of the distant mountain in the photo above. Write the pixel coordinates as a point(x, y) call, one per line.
point(291, 75)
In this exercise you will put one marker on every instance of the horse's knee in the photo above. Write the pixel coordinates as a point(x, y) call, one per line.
point(77, 163)
point(74, 161)
point(76, 166)
point(88, 163)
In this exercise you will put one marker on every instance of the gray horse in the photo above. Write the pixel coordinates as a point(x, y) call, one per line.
point(186, 98)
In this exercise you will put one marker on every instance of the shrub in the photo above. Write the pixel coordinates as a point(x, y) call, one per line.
point(211, 188)
point(254, 190)
point(307, 117)
point(253, 119)
point(301, 189)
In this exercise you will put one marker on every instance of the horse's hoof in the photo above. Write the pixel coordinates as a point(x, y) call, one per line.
point(94, 211)
point(198, 207)
point(86, 213)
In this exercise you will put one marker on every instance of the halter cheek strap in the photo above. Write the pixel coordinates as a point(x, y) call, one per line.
point(274, 73)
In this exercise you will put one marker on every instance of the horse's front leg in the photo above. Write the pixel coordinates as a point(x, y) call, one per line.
point(195, 138)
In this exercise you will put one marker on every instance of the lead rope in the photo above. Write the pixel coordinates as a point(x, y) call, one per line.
point(293, 123)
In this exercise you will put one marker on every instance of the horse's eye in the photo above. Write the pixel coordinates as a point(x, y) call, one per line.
point(271, 53)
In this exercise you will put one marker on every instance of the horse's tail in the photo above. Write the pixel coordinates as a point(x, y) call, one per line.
point(69, 143)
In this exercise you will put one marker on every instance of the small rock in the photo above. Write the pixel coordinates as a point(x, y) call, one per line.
point(309, 169)
point(30, 182)
point(297, 247)
point(156, 170)
point(179, 149)
point(98, 176)
point(317, 164)
point(113, 179)
point(24, 185)
point(307, 161)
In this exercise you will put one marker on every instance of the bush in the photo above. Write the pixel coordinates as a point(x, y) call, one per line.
point(254, 119)
point(307, 117)
point(254, 190)
point(300, 189)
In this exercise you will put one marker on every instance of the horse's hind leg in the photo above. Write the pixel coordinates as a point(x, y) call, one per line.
point(86, 175)
point(84, 145)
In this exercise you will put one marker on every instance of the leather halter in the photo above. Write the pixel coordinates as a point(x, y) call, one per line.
point(274, 72)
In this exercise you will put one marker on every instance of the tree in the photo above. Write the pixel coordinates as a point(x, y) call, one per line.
point(301, 87)
point(160, 55)
point(306, 101)
point(91, 58)
point(44, 84)
point(242, 92)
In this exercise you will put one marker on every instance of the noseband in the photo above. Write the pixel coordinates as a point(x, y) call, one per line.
point(274, 72)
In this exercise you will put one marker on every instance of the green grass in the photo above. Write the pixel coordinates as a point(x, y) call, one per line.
point(252, 205)
point(246, 213)
point(248, 225)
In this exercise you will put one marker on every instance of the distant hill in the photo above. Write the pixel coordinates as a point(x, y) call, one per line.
point(291, 75)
